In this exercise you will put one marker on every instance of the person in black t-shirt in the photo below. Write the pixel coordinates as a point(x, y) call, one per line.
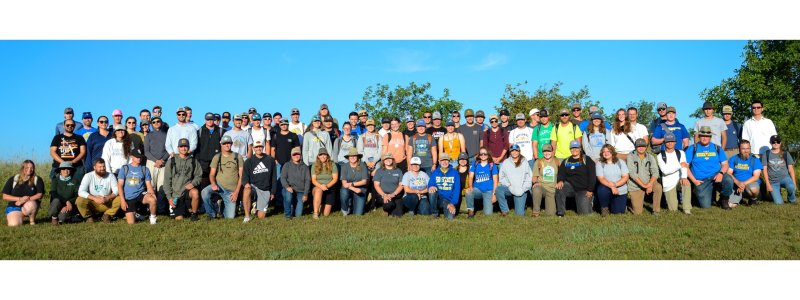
point(68, 147)
point(282, 144)
point(23, 192)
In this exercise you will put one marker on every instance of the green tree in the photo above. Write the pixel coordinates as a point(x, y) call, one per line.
point(517, 99)
point(770, 72)
point(382, 101)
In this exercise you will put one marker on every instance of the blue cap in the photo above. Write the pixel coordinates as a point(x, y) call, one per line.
point(597, 115)
point(421, 123)
point(87, 115)
point(574, 144)
point(514, 147)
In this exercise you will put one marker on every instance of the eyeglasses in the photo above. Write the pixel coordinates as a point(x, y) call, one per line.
point(756, 107)
point(284, 124)
point(493, 121)
point(564, 115)
point(156, 110)
point(102, 122)
point(426, 117)
point(156, 122)
point(130, 122)
point(69, 125)
point(708, 109)
point(181, 114)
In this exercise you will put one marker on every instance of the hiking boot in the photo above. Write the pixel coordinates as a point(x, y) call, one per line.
point(194, 217)
point(753, 202)
point(503, 214)
point(89, 220)
point(106, 219)
point(470, 214)
point(723, 203)
point(604, 212)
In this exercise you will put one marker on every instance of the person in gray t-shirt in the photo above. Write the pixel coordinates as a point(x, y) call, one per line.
point(473, 135)
point(779, 167)
point(718, 126)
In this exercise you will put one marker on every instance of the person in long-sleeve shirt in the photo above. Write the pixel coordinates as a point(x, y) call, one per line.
point(156, 152)
point(296, 182)
point(444, 187)
point(182, 130)
point(576, 178)
point(516, 179)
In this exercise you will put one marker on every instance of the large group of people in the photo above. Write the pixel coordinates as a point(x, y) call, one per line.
point(245, 163)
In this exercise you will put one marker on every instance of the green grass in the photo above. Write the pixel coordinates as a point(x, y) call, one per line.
point(766, 231)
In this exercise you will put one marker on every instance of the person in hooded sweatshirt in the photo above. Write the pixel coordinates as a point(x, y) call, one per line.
point(576, 178)
point(516, 179)
point(444, 187)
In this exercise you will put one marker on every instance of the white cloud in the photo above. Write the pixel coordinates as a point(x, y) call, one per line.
point(490, 61)
point(409, 61)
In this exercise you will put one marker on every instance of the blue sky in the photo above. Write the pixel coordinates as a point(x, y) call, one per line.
point(39, 78)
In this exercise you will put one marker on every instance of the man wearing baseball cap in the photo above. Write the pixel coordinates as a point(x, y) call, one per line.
point(674, 175)
point(239, 136)
point(733, 132)
point(473, 135)
point(183, 177)
point(68, 115)
point(259, 177)
point(295, 125)
point(564, 132)
point(86, 130)
point(661, 110)
point(496, 140)
point(534, 117)
point(644, 174)
point(257, 133)
point(181, 130)
point(226, 121)
point(68, 147)
point(708, 167)
point(422, 146)
point(717, 126)
point(671, 125)
point(226, 181)
point(521, 136)
point(480, 118)
point(444, 189)
point(576, 114)
point(157, 156)
point(436, 130)
point(541, 133)
point(208, 139)
point(505, 121)
point(116, 115)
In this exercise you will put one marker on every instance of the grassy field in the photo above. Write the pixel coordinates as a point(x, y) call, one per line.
point(766, 231)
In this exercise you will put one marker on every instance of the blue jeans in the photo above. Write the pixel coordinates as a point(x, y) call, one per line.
point(786, 183)
point(358, 200)
point(436, 203)
point(705, 191)
point(617, 202)
point(502, 193)
point(292, 201)
point(478, 194)
point(210, 205)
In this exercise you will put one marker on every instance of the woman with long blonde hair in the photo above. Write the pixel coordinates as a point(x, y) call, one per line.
point(324, 175)
point(23, 192)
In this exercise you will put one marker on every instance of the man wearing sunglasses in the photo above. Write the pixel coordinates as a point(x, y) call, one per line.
point(576, 114)
point(426, 116)
point(182, 130)
point(156, 152)
point(564, 132)
point(661, 109)
point(68, 147)
point(96, 141)
point(758, 130)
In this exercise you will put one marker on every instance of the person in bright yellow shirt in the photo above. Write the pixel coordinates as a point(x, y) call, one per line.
point(563, 133)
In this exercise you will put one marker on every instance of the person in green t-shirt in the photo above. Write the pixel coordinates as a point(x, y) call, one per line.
point(541, 134)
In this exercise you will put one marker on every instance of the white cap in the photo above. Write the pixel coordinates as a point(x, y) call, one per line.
point(533, 111)
point(416, 160)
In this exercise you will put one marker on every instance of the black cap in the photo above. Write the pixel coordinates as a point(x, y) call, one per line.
point(226, 115)
point(277, 113)
point(209, 116)
point(385, 120)
point(774, 138)
point(137, 153)
point(543, 113)
point(217, 117)
point(266, 115)
point(708, 105)
point(504, 112)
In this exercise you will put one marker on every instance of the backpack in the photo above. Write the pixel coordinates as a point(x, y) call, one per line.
point(664, 155)
point(559, 125)
point(339, 144)
point(174, 169)
point(219, 160)
point(125, 170)
point(16, 179)
point(491, 166)
point(264, 130)
point(414, 140)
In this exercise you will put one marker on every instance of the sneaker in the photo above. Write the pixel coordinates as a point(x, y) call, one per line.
point(688, 212)
point(219, 207)
point(655, 213)
point(246, 219)
point(54, 221)
point(106, 219)
point(153, 220)
point(560, 216)
point(604, 212)
point(138, 217)
point(194, 217)
point(171, 212)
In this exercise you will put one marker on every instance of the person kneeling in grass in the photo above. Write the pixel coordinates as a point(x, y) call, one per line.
point(259, 176)
point(135, 187)
point(444, 188)
point(182, 178)
point(746, 171)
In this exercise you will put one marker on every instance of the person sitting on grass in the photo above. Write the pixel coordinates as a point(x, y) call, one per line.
point(259, 177)
point(779, 171)
point(226, 181)
point(612, 174)
point(98, 193)
point(746, 171)
point(387, 182)
point(415, 185)
point(182, 177)
point(515, 179)
point(576, 178)
point(63, 192)
point(135, 187)
point(324, 176)
point(444, 188)
point(23, 193)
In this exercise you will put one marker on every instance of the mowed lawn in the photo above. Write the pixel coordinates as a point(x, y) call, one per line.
point(766, 231)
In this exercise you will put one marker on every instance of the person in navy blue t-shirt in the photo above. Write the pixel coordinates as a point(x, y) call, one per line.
point(746, 170)
point(680, 132)
point(708, 167)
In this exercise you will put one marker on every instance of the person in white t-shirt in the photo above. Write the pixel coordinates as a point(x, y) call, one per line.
point(758, 130)
point(521, 136)
point(674, 172)
point(296, 126)
point(638, 131)
point(621, 136)
point(257, 133)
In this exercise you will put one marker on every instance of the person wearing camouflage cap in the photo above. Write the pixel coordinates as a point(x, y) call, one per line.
point(545, 172)
point(480, 118)
point(674, 175)
point(644, 175)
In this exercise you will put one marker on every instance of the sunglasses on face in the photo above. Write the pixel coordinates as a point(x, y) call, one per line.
point(156, 122)
point(131, 122)
point(493, 121)
point(775, 142)
point(576, 109)
point(756, 107)
point(102, 122)
point(156, 110)
point(296, 154)
point(564, 115)
point(181, 114)
point(660, 109)
point(483, 154)
point(426, 117)
point(69, 125)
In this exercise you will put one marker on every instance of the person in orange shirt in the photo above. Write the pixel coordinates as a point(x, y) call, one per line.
point(394, 143)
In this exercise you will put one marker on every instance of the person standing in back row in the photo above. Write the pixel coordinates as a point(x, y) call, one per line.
point(717, 125)
point(181, 130)
point(758, 129)
point(734, 132)
point(522, 137)
point(68, 147)
point(473, 135)
point(96, 142)
point(421, 145)
point(563, 134)
point(207, 147)
point(496, 140)
point(157, 156)
point(68, 115)
point(86, 130)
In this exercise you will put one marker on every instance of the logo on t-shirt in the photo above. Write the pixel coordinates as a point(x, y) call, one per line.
point(548, 174)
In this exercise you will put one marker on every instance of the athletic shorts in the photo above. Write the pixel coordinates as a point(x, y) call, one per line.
point(133, 203)
point(11, 209)
point(262, 198)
